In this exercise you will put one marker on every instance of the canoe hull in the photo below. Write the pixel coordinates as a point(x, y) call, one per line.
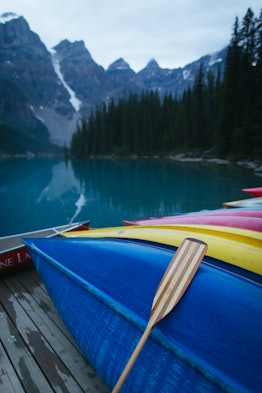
point(256, 191)
point(244, 212)
point(245, 203)
point(14, 254)
point(103, 291)
point(253, 223)
point(14, 259)
point(238, 247)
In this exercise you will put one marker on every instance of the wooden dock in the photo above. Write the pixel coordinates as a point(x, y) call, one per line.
point(37, 353)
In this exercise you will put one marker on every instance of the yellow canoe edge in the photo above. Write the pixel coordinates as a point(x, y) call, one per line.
point(236, 246)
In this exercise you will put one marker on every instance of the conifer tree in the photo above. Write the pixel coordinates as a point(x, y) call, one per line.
point(198, 136)
point(230, 96)
point(255, 123)
point(225, 111)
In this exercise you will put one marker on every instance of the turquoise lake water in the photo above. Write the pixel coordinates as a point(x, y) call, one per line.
point(38, 193)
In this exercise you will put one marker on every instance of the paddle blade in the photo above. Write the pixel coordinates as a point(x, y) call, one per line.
point(177, 277)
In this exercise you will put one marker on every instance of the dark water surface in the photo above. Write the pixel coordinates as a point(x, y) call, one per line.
point(41, 192)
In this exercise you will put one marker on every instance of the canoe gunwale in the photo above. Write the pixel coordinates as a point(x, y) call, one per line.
point(13, 252)
point(53, 231)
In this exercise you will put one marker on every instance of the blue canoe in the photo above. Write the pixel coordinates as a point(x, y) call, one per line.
point(103, 289)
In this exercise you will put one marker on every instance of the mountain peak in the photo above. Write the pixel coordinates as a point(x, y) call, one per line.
point(8, 16)
point(52, 83)
point(66, 49)
point(66, 44)
point(119, 65)
point(152, 64)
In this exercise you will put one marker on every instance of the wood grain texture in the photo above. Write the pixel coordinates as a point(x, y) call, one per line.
point(37, 353)
point(177, 277)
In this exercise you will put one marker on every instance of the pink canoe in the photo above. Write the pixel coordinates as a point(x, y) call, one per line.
point(221, 212)
point(245, 222)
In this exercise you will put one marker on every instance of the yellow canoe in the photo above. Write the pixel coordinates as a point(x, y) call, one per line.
point(239, 247)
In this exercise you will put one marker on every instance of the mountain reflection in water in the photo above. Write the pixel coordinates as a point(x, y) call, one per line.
point(41, 192)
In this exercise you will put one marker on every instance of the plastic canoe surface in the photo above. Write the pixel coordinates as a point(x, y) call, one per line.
point(239, 221)
point(255, 191)
point(250, 202)
point(103, 289)
point(239, 247)
point(14, 254)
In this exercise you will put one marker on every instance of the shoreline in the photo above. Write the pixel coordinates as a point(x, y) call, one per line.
point(255, 166)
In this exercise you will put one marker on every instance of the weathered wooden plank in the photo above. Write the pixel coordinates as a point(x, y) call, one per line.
point(58, 375)
point(32, 273)
point(58, 357)
point(21, 363)
point(43, 299)
point(41, 296)
point(9, 381)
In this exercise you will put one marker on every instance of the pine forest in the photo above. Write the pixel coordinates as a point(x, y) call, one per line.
point(216, 117)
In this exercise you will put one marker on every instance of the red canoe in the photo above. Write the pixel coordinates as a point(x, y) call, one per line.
point(256, 191)
point(245, 222)
point(13, 252)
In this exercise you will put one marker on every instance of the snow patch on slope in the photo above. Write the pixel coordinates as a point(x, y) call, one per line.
point(186, 74)
point(76, 103)
point(60, 128)
point(214, 59)
point(8, 16)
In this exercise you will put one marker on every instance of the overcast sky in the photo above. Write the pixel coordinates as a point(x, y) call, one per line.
point(173, 32)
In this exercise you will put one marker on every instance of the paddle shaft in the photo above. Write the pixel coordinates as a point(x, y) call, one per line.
point(175, 281)
point(132, 359)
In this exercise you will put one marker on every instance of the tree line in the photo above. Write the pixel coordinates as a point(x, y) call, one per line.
point(218, 116)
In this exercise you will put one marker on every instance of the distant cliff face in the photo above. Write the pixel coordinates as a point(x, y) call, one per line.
point(57, 88)
point(26, 63)
point(80, 72)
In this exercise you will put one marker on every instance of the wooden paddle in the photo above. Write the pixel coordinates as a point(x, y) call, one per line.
point(174, 283)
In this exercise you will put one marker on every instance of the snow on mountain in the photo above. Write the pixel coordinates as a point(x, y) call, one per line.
point(58, 87)
point(76, 103)
point(215, 61)
point(8, 16)
point(119, 65)
point(186, 74)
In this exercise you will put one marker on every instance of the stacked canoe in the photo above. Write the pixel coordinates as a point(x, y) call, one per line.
point(255, 191)
point(255, 202)
point(103, 282)
point(103, 288)
point(238, 218)
point(237, 247)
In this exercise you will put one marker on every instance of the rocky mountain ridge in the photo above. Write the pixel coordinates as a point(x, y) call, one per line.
point(60, 86)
